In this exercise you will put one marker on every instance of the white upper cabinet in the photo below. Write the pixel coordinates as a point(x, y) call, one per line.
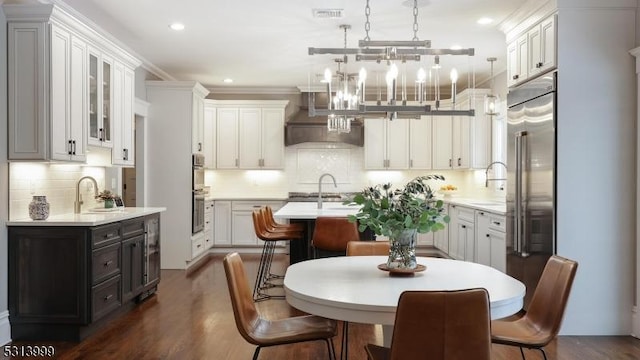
point(386, 144)
point(197, 130)
point(250, 134)
point(420, 143)
point(209, 136)
point(442, 142)
point(533, 52)
point(60, 89)
point(123, 116)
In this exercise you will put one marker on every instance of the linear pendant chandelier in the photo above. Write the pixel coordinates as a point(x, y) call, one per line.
point(348, 98)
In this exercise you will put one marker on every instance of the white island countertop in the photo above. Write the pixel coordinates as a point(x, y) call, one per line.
point(309, 210)
point(89, 218)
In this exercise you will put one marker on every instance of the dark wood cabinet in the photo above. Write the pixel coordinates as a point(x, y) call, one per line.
point(66, 281)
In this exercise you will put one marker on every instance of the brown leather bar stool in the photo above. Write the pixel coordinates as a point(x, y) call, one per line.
point(331, 235)
point(264, 276)
point(271, 222)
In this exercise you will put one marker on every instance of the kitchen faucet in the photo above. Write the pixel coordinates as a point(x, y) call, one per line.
point(320, 187)
point(77, 205)
point(486, 173)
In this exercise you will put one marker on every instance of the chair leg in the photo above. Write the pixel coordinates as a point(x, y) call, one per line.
point(522, 353)
point(331, 349)
point(344, 351)
point(544, 355)
point(260, 274)
point(255, 353)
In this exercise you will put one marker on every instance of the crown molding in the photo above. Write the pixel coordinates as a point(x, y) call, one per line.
point(193, 86)
point(247, 103)
point(268, 90)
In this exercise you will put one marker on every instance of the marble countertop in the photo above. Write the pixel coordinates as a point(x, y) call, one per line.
point(309, 210)
point(493, 206)
point(89, 218)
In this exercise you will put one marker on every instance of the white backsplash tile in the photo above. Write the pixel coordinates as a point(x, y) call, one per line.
point(55, 181)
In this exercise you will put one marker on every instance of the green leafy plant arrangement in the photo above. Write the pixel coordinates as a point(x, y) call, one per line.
point(105, 195)
point(389, 212)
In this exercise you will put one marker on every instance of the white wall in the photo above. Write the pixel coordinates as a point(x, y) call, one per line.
point(5, 330)
point(596, 149)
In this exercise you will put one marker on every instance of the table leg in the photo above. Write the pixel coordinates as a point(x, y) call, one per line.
point(387, 333)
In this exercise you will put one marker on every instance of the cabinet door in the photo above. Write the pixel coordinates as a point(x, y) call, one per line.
point(272, 139)
point(468, 243)
point(242, 232)
point(128, 118)
point(512, 63)
point(250, 138)
point(534, 42)
point(209, 137)
point(548, 44)
point(227, 138)
point(454, 233)
point(442, 147)
point(498, 250)
point(95, 92)
point(197, 125)
point(222, 223)
point(106, 130)
point(397, 144)
point(117, 118)
point(425, 239)
point(374, 144)
point(79, 101)
point(483, 242)
point(132, 267)
point(61, 147)
point(420, 142)
point(460, 140)
point(522, 54)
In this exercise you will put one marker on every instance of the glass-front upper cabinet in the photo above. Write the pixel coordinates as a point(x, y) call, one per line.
point(100, 95)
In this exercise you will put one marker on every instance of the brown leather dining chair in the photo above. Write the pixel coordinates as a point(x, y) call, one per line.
point(367, 248)
point(331, 235)
point(262, 332)
point(541, 322)
point(439, 325)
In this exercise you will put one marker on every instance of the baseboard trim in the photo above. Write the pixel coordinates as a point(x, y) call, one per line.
point(5, 328)
point(635, 323)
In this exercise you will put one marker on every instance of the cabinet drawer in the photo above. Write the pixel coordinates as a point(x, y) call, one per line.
point(497, 223)
point(253, 205)
point(197, 246)
point(105, 298)
point(105, 235)
point(132, 227)
point(106, 262)
point(466, 214)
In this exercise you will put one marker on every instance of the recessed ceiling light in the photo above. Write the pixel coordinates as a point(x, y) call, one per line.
point(177, 26)
point(456, 47)
point(228, 80)
point(485, 21)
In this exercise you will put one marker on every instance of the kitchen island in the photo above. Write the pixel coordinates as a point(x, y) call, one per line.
point(73, 273)
point(306, 213)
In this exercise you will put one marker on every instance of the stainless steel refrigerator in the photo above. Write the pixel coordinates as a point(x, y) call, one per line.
point(531, 179)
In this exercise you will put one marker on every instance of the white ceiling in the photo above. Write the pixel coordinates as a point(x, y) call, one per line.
point(265, 43)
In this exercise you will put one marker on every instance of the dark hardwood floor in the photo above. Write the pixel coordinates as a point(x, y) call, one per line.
point(191, 318)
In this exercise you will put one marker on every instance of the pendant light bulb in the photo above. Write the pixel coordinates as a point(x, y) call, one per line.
point(327, 75)
point(421, 76)
point(454, 75)
point(491, 101)
point(362, 75)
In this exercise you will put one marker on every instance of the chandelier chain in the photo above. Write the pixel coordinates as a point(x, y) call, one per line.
point(367, 24)
point(415, 20)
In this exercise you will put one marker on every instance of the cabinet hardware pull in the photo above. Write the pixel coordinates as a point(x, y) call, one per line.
point(199, 245)
point(539, 65)
point(106, 264)
point(515, 77)
point(410, 162)
point(459, 162)
point(496, 223)
point(70, 148)
point(135, 244)
point(464, 226)
point(236, 162)
point(487, 235)
point(101, 138)
point(199, 146)
point(74, 147)
point(108, 297)
point(450, 163)
point(481, 213)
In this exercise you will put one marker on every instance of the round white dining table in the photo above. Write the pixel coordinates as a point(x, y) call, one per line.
point(352, 288)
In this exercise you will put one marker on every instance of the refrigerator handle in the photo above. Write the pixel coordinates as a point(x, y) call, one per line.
point(520, 240)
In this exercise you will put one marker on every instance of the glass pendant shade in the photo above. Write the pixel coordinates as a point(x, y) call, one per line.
point(491, 104)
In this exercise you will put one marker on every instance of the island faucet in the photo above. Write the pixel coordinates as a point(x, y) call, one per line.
point(320, 187)
point(77, 205)
point(486, 173)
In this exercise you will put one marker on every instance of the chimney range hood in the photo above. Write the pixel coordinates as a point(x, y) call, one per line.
point(301, 128)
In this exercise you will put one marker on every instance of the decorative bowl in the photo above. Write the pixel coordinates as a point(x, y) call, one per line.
point(447, 192)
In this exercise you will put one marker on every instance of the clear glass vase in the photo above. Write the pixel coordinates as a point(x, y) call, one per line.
point(39, 208)
point(402, 254)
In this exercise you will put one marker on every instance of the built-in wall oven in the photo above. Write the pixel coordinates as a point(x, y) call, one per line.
point(198, 193)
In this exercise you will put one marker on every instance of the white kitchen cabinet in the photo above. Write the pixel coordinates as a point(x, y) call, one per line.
point(386, 144)
point(197, 127)
point(242, 230)
point(420, 143)
point(197, 245)
point(208, 224)
point(55, 96)
point(209, 136)
point(441, 238)
point(463, 142)
point(461, 233)
point(100, 98)
point(227, 138)
point(491, 240)
point(123, 152)
point(425, 239)
point(542, 46)
point(222, 223)
point(517, 55)
point(533, 52)
point(250, 134)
